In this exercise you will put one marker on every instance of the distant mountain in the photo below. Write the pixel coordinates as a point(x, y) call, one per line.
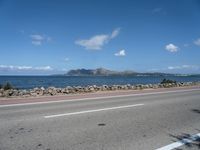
point(106, 72)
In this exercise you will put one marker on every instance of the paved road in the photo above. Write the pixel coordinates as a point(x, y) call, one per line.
point(140, 122)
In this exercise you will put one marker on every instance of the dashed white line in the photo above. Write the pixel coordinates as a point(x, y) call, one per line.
point(101, 97)
point(181, 142)
point(89, 111)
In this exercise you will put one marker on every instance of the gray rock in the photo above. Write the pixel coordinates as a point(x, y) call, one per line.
point(104, 87)
point(65, 91)
point(15, 93)
point(36, 89)
point(6, 93)
point(155, 86)
point(52, 91)
point(91, 89)
point(78, 89)
point(133, 87)
point(150, 86)
point(33, 94)
point(42, 88)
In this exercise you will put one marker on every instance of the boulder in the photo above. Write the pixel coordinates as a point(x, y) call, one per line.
point(133, 87)
point(95, 87)
point(150, 86)
point(146, 86)
point(86, 89)
point(91, 89)
point(65, 91)
point(155, 86)
point(36, 89)
point(15, 93)
point(78, 89)
point(160, 86)
point(52, 91)
point(6, 93)
point(33, 94)
point(42, 88)
point(104, 87)
point(22, 93)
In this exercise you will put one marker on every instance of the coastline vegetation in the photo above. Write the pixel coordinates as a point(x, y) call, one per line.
point(6, 86)
point(167, 81)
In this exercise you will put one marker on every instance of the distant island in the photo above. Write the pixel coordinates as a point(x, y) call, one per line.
point(106, 72)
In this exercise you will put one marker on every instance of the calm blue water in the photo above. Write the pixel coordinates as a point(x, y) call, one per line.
point(27, 82)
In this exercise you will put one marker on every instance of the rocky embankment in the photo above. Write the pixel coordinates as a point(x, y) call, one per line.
point(51, 91)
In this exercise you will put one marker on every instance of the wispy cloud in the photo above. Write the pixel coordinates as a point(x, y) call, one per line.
point(22, 31)
point(98, 41)
point(66, 59)
point(120, 53)
point(171, 48)
point(157, 10)
point(24, 68)
point(37, 39)
point(36, 42)
point(44, 68)
point(197, 42)
point(178, 69)
point(115, 33)
point(94, 43)
point(183, 67)
point(186, 45)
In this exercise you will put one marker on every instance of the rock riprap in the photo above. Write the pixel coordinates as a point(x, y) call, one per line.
point(51, 91)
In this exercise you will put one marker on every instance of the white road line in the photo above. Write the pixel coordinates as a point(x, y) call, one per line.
point(102, 97)
point(89, 111)
point(181, 142)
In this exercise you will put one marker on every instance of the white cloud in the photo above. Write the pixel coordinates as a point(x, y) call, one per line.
point(25, 68)
point(37, 39)
point(115, 33)
point(49, 39)
point(22, 67)
point(65, 70)
point(43, 68)
point(95, 42)
point(120, 53)
point(173, 67)
point(36, 42)
point(186, 45)
point(98, 41)
point(66, 59)
point(157, 10)
point(183, 67)
point(171, 48)
point(197, 42)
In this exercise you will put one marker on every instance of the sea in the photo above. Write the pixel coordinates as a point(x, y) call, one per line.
point(29, 82)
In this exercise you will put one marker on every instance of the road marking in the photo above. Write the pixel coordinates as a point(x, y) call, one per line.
point(94, 110)
point(181, 142)
point(101, 97)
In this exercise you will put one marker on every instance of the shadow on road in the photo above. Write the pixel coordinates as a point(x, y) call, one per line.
point(182, 138)
point(196, 110)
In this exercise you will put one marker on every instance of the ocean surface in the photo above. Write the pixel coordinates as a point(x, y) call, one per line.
point(28, 82)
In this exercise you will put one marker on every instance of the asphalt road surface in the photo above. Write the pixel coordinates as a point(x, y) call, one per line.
point(162, 121)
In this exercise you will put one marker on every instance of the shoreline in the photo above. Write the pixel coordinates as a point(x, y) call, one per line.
point(81, 90)
point(20, 101)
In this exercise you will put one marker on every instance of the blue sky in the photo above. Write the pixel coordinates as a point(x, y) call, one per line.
point(54, 36)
